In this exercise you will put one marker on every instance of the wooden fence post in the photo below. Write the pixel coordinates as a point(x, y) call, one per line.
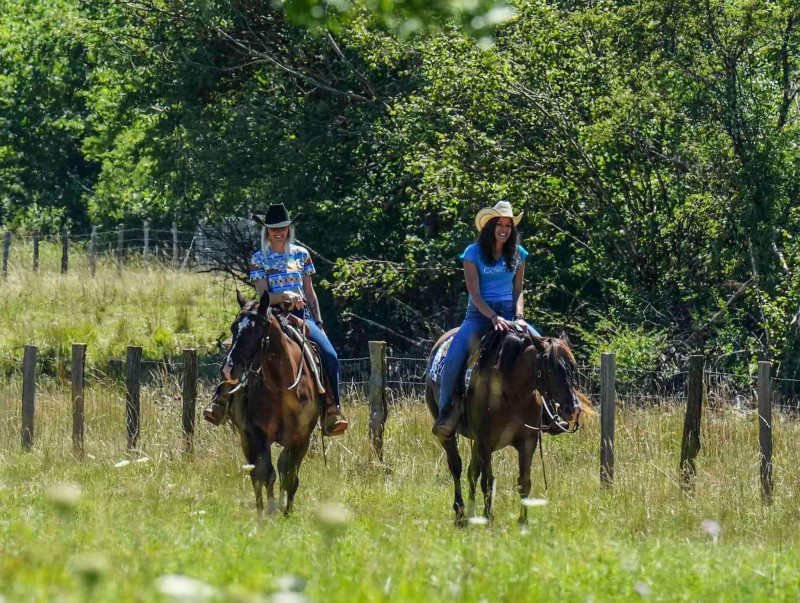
point(765, 430)
point(175, 245)
point(201, 245)
point(146, 246)
point(78, 366)
point(378, 410)
point(64, 250)
point(120, 246)
point(691, 425)
point(6, 251)
point(608, 369)
point(189, 396)
point(28, 394)
point(133, 369)
point(36, 250)
point(93, 251)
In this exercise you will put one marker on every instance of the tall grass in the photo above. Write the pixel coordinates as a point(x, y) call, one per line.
point(160, 309)
point(194, 515)
point(115, 531)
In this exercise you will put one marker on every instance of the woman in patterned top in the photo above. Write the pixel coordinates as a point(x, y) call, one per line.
point(284, 269)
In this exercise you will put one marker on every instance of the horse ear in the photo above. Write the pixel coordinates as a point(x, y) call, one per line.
point(538, 343)
point(240, 298)
point(263, 303)
point(564, 336)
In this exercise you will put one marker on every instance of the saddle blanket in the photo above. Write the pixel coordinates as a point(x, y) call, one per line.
point(435, 371)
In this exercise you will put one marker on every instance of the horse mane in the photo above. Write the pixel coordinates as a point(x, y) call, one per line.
point(502, 349)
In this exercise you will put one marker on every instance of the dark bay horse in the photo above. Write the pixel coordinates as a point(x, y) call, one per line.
point(283, 403)
point(503, 407)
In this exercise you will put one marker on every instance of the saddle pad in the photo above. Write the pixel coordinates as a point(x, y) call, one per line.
point(437, 364)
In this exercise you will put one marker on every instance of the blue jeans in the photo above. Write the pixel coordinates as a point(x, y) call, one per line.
point(328, 356)
point(472, 329)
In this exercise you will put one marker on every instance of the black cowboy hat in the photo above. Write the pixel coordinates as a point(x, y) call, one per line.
point(277, 216)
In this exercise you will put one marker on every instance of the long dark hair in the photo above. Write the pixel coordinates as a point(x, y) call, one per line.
point(487, 242)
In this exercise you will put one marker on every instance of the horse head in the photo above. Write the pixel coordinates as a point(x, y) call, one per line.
point(250, 329)
point(555, 367)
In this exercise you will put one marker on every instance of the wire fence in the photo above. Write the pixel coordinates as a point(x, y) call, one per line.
point(162, 400)
point(183, 249)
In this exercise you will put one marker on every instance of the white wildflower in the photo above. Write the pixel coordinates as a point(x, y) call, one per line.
point(712, 528)
point(64, 496)
point(184, 588)
point(534, 502)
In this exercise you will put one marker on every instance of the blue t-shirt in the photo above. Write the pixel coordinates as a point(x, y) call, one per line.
point(497, 282)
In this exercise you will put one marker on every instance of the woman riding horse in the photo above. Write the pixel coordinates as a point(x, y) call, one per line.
point(284, 269)
point(494, 269)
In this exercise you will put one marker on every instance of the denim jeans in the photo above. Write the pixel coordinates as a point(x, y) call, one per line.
point(328, 356)
point(475, 325)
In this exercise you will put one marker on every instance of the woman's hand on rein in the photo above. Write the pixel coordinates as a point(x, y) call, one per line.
point(292, 300)
point(500, 324)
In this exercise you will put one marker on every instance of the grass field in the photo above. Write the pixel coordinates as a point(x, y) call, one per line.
point(88, 530)
point(194, 516)
point(160, 309)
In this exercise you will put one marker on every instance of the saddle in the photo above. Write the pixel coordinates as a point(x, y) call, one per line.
point(310, 350)
point(437, 364)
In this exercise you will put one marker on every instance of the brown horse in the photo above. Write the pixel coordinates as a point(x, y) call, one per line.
point(283, 402)
point(503, 407)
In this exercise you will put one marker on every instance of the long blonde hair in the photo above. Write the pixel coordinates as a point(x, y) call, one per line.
point(265, 248)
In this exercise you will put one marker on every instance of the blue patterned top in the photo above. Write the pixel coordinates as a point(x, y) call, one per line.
point(283, 271)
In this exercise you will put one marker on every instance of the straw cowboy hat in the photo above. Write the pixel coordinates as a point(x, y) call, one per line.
point(277, 216)
point(501, 210)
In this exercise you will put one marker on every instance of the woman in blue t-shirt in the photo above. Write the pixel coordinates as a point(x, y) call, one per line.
point(494, 269)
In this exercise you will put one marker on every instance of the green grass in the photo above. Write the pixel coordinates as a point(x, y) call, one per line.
point(155, 307)
point(194, 516)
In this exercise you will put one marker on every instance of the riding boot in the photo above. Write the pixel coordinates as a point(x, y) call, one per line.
point(333, 422)
point(447, 423)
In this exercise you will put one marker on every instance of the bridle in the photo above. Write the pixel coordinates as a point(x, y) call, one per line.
point(543, 383)
point(249, 363)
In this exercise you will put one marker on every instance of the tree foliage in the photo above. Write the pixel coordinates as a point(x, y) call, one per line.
point(652, 146)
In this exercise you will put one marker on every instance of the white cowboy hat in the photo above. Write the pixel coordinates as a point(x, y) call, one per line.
point(502, 209)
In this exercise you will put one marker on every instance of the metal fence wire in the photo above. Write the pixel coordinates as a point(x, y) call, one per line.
point(161, 397)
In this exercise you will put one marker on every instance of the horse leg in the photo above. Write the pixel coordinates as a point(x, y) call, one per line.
point(473, 471)
point(525, 449)
point(450, 446)
point(256, 448)
point(289, 469)
point(487, 479)
point(283, 468)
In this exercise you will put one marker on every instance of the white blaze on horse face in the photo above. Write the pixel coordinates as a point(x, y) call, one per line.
point(245, 322)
